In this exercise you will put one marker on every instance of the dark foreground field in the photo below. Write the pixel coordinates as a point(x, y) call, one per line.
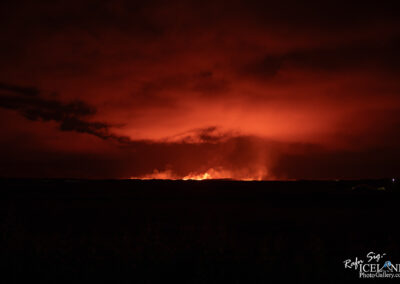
point(73, 231)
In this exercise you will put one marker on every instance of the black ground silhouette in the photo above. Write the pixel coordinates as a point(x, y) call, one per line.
point(222, 231)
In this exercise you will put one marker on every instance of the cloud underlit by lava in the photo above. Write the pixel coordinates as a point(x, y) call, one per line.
point(278, 89)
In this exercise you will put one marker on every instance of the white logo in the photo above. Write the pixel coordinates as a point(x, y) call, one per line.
point(373, 266)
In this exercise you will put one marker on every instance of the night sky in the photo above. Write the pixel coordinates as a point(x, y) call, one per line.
point(174, 89)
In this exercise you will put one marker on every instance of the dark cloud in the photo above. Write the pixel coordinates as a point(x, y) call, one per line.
point(264, 68)
point(70, 116)
point(381, 56)
point(163, 91)
point(26, 91)
point(210, 134)
point(331, 15)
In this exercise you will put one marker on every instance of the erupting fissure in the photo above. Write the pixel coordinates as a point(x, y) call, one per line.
point(207, 175)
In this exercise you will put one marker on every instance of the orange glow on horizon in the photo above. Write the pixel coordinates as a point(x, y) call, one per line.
point(207, 175)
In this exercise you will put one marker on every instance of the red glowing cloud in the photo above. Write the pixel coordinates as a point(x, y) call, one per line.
point(255, 90)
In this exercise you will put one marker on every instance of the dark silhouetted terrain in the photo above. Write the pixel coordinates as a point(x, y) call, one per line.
point(68, 231)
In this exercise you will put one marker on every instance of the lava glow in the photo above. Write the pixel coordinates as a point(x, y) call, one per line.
point(198, 177)
point(207, 175)
point(210, 174)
